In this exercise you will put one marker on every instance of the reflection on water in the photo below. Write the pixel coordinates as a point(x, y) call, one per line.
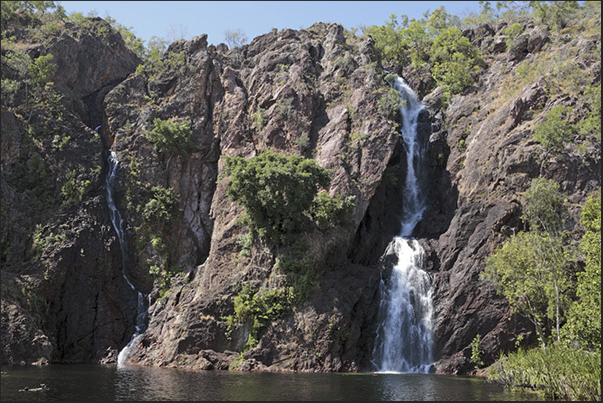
point(99, 382)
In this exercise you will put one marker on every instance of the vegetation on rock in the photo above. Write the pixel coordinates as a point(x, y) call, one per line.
point(527, 76)
point(279, 194)
point(171, 137)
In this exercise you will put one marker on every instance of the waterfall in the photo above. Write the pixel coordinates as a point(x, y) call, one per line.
point(116, 219)
point(404, 337)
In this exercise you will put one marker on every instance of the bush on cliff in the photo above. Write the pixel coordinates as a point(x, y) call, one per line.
point(435, 39)
point(172, 138)
point(279, 193)
point(555, 130)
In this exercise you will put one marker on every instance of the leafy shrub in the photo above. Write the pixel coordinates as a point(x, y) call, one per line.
point(328, 210)
point(555, 14)
point(35, 181)
point(160, 214)
point(41, 70)
point(161, 211)
point(75, 187)
point(409, 40)
point(259, 310)
point(584, 319)
point(235, 38)
point(525, 271)
point(15, 68)
point(389, 103)
point(476, 350)
point(259, 118)
point(559, 372)
point(544, 208)
point(277, 191)
point(555, 130)
point(455, 58)
point(592, 124)
point(171, 137)
point(512, 32)
point(285, 108)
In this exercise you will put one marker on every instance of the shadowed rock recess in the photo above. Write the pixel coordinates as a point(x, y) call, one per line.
point(312, 92)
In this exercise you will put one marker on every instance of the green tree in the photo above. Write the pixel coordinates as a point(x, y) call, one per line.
point(544, 209)
point(259, 310)
point(592, 124)
point(555, 130)
point(161, 210)
point(512, 32)
point(521, 272)
point(584, 318)
point(439, 20)
point(418, 42)
point(172, 138)
point(390, 43)
point(532, 269)
point(41, 70)
point(555, 14)
point(15, 69)
point(33, 9)
point(276, 190)
point(156, 48)
point(455, 58)
point(132, 41)
point(236, 38)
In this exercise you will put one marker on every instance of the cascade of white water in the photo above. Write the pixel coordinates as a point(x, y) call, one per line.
point(116, 219)
point(404, 337)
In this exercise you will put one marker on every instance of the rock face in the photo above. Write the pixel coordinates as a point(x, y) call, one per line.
point(64, 298)
point(306, 92)
point(491, 161)
point(312, 92)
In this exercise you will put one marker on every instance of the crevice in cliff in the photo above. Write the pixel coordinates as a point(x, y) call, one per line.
point(381, 222)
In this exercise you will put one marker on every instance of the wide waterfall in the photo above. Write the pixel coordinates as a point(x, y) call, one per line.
point(116, 219)
point(404, 337)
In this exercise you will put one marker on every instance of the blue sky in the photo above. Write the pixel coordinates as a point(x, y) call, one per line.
point(254, 18)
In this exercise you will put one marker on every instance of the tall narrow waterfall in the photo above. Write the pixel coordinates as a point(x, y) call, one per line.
point(404, 337)
point(116, 219)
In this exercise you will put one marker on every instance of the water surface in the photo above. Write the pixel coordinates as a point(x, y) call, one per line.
point(111, 382)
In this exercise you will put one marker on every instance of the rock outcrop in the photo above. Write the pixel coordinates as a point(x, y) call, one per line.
point(312, 92)
point(64, 298)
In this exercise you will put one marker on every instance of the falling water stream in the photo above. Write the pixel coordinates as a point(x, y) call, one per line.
point(404, 338)
point(116, 219)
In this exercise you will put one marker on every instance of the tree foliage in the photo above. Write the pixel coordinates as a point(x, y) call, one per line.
point(161, 210)
point(258, 309)
point(555, 130)
point(558, 373)
point(584, 319)
point(41, 70)
point(592, 124)
point(455, 59)
point(523, 270)
point(555, 14)
point(534, 269)
point(544, 209)
point(435, 39)
point(236, 38)
point(171, 137)
point(279, 192)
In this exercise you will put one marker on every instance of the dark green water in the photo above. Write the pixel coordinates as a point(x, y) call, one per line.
point(98, 382)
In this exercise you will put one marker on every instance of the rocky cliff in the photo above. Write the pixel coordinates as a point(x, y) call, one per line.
point(315, 92)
